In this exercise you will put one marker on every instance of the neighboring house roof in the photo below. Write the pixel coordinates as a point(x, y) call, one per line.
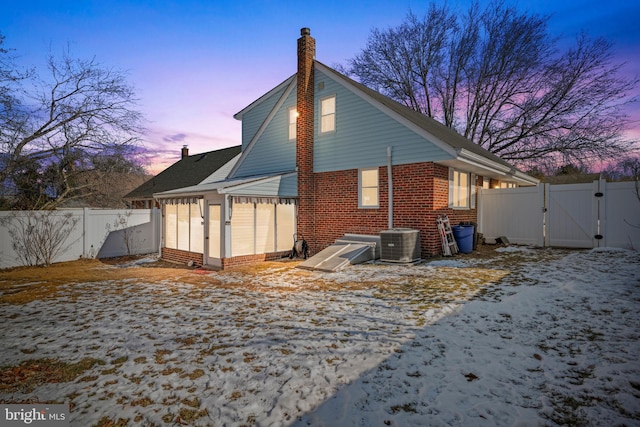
point(188, 171)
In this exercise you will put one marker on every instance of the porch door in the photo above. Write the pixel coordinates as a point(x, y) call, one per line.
point(215, 231)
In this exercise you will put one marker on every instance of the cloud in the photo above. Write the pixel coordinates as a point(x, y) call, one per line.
point(179, 137)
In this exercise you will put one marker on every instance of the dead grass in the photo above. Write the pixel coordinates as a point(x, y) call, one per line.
point(26, 284)
point(29, 374)
point(22, 285)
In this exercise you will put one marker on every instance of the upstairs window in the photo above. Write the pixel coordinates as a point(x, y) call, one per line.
point(293, 116)
point(368, 188)
point(328, 114)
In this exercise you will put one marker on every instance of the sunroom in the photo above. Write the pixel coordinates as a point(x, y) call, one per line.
point(231, 222)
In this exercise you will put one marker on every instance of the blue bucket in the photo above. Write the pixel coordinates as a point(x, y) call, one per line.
point(464, 237)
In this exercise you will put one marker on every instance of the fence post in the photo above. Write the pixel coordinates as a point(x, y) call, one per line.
point(600, 237)
point(85, 233)
point(545, 215)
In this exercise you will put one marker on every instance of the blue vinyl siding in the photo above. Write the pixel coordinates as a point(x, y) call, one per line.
point(363, 133)
point(273, 152)
point(253, 119)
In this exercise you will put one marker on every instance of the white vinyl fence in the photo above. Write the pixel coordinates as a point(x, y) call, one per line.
point(597, 214)
point(99, 233)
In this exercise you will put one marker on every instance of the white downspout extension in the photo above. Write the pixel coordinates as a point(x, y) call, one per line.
point(390, 186)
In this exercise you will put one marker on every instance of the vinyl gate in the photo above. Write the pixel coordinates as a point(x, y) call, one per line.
point(589, 215)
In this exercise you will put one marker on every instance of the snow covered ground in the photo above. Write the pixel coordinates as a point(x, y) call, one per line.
point(525, 337)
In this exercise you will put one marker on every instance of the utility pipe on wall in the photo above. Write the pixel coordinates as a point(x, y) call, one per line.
point(390, 187)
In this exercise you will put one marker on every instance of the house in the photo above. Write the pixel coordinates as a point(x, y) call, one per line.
point(189, 170)
point(323, 155)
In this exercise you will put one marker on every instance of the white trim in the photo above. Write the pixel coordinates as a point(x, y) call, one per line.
point(239, 114)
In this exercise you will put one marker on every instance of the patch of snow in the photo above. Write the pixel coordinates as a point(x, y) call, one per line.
point(447, 263)
point(510, 248)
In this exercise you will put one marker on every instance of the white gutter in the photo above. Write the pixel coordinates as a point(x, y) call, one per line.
point(481, 161)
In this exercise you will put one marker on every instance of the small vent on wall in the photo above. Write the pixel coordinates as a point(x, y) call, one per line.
point(320, 85)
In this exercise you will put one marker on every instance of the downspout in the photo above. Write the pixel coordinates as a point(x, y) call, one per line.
point(390, 186)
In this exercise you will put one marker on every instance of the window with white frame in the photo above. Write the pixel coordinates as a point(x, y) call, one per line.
point(258, 228)
point(328, 114)
point(184, 228)
point(485, 183)
point(462, 189)
point(292, 116)
point(368, 188)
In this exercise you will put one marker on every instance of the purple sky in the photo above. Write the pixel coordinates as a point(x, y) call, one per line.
point(197, 63)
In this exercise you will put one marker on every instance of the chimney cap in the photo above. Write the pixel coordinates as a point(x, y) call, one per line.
point(305, 31)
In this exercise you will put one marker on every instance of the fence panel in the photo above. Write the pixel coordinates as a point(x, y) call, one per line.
point(117, 232)
point(516, 213)
point(98, 233)
point(576, 214)
point(620, 217)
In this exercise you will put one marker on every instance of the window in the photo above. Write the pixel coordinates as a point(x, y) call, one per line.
point(462, 190)
point(507, 185)
point(368, 188)
point(328, 114)
point(184, 229)
point(258, 228)
point(171, 226)
point(485, 183)
point(293, 115)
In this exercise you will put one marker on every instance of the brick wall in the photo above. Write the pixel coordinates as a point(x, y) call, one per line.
point(251, 259)
point(420, 193)
point(182, 257)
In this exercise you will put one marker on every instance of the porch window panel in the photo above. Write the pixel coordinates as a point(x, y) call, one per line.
point(215, 213)
point(285, 226)
point(183, 227)
point(196, 232)
point(242, 229)
point(265, 228)
point(171, 226)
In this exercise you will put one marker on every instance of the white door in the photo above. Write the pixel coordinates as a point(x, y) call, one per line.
point(572, 217)
point(214, 233)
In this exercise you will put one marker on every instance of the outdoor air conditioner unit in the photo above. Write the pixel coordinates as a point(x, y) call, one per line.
point(400, 245)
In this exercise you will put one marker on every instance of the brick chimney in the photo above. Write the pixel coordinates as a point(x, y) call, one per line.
point(185, 151)
point(304, 136)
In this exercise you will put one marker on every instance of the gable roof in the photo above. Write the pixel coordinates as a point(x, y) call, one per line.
point(462, 150)
point(186, 172)
point(447, 138)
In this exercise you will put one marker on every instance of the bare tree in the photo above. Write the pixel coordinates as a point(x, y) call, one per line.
point(55, 124)
point(497, 77)
point(38, 237)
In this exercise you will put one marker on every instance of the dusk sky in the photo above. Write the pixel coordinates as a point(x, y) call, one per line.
point(195, 64)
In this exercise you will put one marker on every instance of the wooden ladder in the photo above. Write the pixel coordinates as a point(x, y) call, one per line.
point(449, 245)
